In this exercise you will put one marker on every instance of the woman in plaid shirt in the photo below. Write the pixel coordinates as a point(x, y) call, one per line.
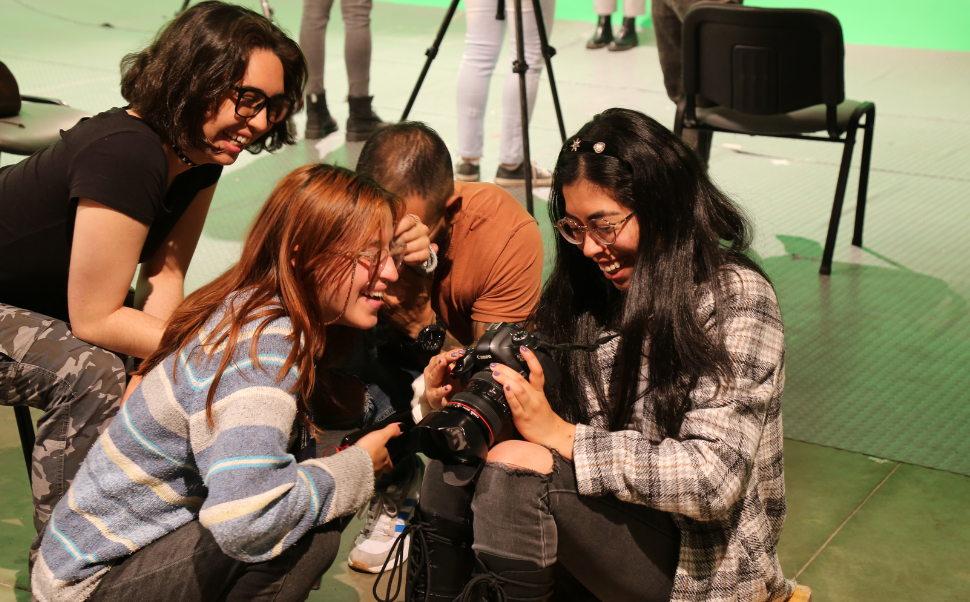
point(654, 471)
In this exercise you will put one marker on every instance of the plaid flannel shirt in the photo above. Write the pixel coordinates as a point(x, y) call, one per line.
point(722, 478)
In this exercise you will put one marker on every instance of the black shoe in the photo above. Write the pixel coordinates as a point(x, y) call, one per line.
point(498, 579)
point(467, 171)
point(603, 35)
point(363, 121)
point(509, 178)
point(626, 36)
point(440, 560)
point(319, 123)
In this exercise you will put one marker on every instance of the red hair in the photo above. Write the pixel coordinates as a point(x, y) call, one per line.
point(300, 244)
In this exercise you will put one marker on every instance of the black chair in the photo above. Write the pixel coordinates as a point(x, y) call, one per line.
point(29, 123)
point(775, 72)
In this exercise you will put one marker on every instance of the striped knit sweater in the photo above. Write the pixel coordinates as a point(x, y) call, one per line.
point(160, 465)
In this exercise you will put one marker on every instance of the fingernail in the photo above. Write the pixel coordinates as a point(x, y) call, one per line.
point(508, 387)
point(441, 362)
point(524, 349)
point(454, 354)
point(492, 365)
point(496, 374)
point(447, 387)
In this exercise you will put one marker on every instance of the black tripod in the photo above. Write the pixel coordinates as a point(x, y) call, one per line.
point(518, 66)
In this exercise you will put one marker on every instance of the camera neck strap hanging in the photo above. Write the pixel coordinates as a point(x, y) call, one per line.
point(577, 347)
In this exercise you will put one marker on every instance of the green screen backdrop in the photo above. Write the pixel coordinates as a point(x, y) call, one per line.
point(931, 24)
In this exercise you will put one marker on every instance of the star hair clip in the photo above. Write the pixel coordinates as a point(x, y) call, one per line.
point(580, 146)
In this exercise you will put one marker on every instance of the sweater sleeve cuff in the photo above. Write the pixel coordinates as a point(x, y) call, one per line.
point(588, 473)
point(352, 471)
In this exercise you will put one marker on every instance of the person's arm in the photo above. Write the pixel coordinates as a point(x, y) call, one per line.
point(703, 471)
point(104, 254)
point(710, 461)
point(161, 279)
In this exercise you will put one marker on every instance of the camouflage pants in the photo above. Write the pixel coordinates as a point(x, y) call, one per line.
point(77, 385)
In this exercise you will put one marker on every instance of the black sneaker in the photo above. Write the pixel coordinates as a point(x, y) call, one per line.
point(466, 171)
point(516, 177)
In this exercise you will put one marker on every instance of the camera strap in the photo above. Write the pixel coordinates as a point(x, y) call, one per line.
point(577, 347)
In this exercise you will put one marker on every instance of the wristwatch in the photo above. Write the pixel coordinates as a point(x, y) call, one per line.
point(431, 337)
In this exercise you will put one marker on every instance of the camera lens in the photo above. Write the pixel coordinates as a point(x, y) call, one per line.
point(467, 426)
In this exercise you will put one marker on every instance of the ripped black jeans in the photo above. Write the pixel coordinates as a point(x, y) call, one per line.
point(600, 546)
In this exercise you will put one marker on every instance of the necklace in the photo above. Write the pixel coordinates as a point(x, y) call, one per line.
point(182, 157)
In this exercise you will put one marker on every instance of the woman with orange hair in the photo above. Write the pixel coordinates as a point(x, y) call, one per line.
point(194, 491)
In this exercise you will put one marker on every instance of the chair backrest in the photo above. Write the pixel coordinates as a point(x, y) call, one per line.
point(763, 61)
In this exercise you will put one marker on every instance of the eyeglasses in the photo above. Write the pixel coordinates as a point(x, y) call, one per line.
point(250, 101)
point(376, 261)
point(602, 231)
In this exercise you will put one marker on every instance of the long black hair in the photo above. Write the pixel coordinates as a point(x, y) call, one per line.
point(176, 82)
point(690, 233)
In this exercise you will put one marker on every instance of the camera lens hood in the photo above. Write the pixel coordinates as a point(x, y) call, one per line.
point(453, 433)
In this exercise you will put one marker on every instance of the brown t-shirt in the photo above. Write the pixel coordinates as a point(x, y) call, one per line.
point(492, 271)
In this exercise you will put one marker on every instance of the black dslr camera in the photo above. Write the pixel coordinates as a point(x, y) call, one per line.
point(464, 428)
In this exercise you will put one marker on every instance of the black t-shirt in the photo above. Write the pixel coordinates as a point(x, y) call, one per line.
point(112, 158)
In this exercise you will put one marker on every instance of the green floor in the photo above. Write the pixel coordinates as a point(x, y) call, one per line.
point(877, 353)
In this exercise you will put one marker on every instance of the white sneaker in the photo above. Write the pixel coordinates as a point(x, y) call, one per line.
point(387, 515)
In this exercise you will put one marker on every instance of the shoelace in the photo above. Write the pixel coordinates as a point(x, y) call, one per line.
point(420, 534)
point(378, 513)
point(488, 582)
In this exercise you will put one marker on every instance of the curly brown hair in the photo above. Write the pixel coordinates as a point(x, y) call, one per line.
point(175, 83)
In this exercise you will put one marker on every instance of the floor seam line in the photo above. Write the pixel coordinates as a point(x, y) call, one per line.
point(847, 519)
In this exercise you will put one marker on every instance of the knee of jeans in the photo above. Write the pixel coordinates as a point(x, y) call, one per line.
point(522, 454)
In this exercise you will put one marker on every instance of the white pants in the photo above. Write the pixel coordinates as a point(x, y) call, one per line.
point(631, 8)
point(483, 43)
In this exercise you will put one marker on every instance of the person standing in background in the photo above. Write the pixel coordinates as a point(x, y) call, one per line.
point(363, 121)
point(483, 43)
point(626, 36)
point(668, 23)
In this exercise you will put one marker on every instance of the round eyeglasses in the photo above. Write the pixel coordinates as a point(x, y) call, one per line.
point(603, 231)
point(250, 101)
point(376, 261)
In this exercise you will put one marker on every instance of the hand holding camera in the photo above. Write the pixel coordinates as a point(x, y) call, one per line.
point(473, 419)
point(531, 412)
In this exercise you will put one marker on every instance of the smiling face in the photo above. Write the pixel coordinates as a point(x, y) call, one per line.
point(227, 132)
point(584, 202)
point(362, 300)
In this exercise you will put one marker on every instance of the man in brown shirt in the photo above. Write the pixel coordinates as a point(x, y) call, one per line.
point(489, 248)
point(489, 269)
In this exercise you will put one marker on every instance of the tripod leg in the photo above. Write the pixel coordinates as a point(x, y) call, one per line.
point(431, 53)
point(521, 67)
point(547, 53)
point(185, 5)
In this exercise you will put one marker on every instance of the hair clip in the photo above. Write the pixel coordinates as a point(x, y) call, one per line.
point(584, 146)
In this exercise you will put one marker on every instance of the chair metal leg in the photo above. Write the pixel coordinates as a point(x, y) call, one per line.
point(837, 203)
point(26, 427)
point(860, 208)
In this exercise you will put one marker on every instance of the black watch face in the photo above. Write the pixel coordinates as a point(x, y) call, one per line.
point(431, 338)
